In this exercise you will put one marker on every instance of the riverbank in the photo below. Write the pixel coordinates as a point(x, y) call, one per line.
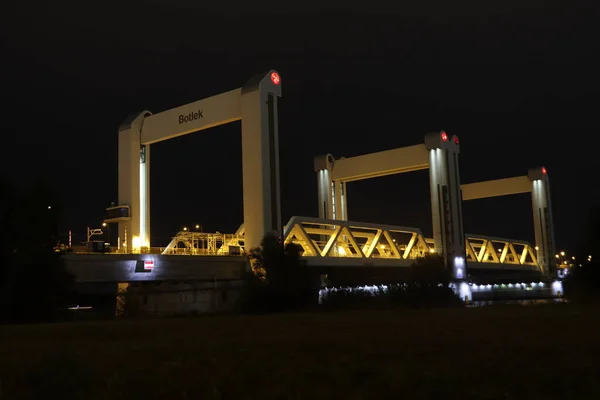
point(502, 352)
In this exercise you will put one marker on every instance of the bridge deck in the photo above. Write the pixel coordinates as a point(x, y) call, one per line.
point(99, 268)
point(140, 267)
point(354, 262)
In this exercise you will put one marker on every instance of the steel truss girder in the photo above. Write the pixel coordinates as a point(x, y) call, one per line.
point(487, 249)
point(337, 238)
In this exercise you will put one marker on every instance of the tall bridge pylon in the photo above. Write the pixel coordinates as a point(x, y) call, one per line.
point(255, 104)
point(439, 153)
point(537, 183)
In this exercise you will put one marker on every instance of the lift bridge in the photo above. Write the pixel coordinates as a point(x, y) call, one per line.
point(342, 252)
point(324, 242)
point(331, 239)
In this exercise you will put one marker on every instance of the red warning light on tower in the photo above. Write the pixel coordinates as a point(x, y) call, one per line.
point(275, 78)
point(544, 170)
point(444, 136)
point(455, 139)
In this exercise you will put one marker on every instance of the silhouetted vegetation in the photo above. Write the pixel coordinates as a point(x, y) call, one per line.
point(427, 285)
point(583, 281)
point(34, 283)
point(278, 280)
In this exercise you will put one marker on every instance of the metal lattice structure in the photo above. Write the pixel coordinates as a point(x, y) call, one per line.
point(486, 249)
point(336, 238)
point(203, 243)
point(233, 242)
point(329, 240)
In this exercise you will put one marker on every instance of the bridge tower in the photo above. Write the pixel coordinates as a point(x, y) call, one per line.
point(543, 225)
point(255, 104)
point(439, 153)
point(446, 201)
point(537, 183)
point(332, 199)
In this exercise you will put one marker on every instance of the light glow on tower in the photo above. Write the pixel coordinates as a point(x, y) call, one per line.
point(143, 204)
point(275, 78)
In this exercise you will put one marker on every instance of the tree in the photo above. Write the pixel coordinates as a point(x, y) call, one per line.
point(34, 283)
point(9, 225)
point(583, 281)
point(279, 281)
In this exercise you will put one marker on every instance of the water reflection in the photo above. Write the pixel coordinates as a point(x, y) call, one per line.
point(525, 302)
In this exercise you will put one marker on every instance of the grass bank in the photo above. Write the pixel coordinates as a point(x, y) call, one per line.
point(505, 352)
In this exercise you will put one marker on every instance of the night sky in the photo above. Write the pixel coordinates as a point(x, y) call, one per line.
point(516, 82)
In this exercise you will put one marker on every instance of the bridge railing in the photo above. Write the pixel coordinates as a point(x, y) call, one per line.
point(143, 250)
point(178, 251)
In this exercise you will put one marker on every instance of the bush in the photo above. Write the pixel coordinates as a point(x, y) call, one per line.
point(583, 281)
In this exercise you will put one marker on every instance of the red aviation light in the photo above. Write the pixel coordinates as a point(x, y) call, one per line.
point(275, 78)
point(456, 140)
point(444, 136)
point(544, 170)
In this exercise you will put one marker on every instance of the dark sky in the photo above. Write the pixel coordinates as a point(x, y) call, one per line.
point(516, 82)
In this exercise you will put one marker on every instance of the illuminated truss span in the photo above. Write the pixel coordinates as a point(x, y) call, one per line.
point(337, 238)
point(201, 243)
point(484, 249)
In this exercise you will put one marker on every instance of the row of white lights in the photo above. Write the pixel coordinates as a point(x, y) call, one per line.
point(510, 285)
point(384, 288)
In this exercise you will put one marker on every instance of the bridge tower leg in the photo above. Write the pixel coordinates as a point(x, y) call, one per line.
point(542, 220)
point(325, 196)
point(134, 183)
point(446, 201)
point(340, 208)
point(260, 160)
point(332, 199)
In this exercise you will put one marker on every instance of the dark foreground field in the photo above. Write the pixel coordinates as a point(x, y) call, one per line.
point(535, 352)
